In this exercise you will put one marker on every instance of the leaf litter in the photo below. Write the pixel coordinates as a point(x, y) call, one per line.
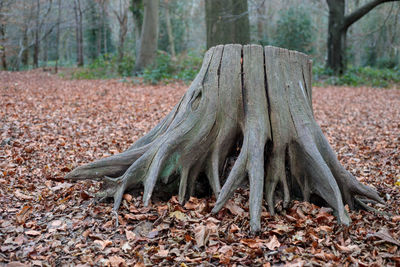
point(50, 125)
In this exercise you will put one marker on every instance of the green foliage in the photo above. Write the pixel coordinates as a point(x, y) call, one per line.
point(165, 69)
point(387, 63)
point(185, 68)
point(161, 70)
point(294, 30)
point(358, 76)
point(106, 67)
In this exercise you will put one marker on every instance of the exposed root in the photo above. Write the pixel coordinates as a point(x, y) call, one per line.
point(368, 208)
point(262, 95)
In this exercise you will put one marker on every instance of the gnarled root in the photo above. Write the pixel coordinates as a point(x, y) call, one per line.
point(260, 95)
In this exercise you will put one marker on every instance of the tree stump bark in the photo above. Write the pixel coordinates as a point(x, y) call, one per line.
point(259, 97)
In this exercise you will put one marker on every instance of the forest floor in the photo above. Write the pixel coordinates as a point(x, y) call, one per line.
point(50, 125)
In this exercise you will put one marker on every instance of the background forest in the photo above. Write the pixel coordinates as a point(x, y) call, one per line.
point(103, 36)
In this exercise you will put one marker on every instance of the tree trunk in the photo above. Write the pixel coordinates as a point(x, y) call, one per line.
point(122, 17)
point(149, 36)
point(338, 25)
point(137, 15)
point(104, 26)
point(58, 36)
point(260, 20)
point(45, 51)
point(36, 46)
point(3, 46)
point(257, 97)
point(79, 32)
point(25, 50)
point(169, 31)
point(227, 21)
point(336, 36)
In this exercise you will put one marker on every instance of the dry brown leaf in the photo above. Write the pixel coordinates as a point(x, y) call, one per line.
point(253, 243)
point(225, 254)
point(23, 214)
point(32, 233)
point(130, 235)
point(348, 249)
point(116, 261)
point(384, 234)
point(102, 243)
point(273, 243)
point(234, 208)
point(201, 235)
point(22, 196)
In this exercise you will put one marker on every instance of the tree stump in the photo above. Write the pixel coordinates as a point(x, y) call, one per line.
point(257, 97)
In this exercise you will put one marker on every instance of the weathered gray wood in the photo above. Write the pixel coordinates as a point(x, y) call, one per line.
point(261, 96)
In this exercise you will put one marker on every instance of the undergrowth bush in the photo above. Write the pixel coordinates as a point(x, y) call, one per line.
point(105, 67)
point(185, 68)
point(357, 76)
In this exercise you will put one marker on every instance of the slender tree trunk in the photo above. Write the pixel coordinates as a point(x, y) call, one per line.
point(122, 17)
point(46, 50)
point(36, 46)
point(227, 21)
point(58, 36)
point(137, 9)
point(25, 52)
point(260, 20)
point(3, 46)
point(169, 31)
point(79, 32)
point(104, 27)
point(336, 34)
point(149, 36)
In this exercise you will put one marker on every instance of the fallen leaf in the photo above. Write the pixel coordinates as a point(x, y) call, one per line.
point(201, 235)
point(126, 247)
point(396, 218)
point(253, 243)
point(348, 249)
point(273, 243)
point(179, 215)
point(22, 196)
point(17, 264)
point(225, 254)
point(130, 235)
point(384, 234)
point(162, 253)
point(116, 261)
point(32, 233)
point(234, 208)
point(23, 214)
point(102, 244)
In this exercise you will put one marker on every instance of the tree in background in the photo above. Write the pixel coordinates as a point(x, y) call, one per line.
point(3, 37)
point(149, 35)
point(58, 35)
point(79, 32)
point(171, 40)
point(294, 30)
point(227, 21)
point(121, 13)
point(93, 17)
point(339, 23)
point(137, 16)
